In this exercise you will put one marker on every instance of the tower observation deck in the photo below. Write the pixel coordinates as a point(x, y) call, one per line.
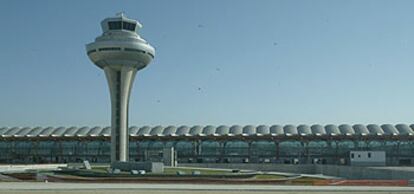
point(120, 52)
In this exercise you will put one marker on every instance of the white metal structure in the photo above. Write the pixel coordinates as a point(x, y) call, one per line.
point(120, 52)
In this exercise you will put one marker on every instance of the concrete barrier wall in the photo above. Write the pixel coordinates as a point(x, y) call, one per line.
point(23, 167)
point(348, 172)
point(297, 169)
point(353, 172)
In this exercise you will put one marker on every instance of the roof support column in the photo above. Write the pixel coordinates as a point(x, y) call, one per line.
point(145, 156)
point(60, 151)
point(174, 144)
point(138, 158)
point(86, 151)
point(336, 152)
point(53, 150)
point(101, 144)
point(197, 149)
point(222, 147)
point(277, 150)
point(367, 142)
point(326, 159)
point(31, 151)
point(249, 150)
point(398, 151)
point(78, 148)
point(35, 150)
point(356, 146)
point(194, 147)
point(306, 152)
point(12, 152)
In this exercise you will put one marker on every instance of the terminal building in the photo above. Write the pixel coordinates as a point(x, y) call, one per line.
point(283, 144)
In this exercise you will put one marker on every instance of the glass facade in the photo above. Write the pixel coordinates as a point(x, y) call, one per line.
point(26, 150)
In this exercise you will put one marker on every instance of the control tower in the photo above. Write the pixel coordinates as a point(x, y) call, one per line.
point(120, 52)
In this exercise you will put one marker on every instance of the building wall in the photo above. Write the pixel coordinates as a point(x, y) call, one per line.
point(367, 158)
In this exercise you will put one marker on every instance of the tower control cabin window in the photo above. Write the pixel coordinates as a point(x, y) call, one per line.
point(121, 25)
point(128, 26)
point(114, 25)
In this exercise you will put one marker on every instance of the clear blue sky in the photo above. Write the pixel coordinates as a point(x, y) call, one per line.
point(255, 62)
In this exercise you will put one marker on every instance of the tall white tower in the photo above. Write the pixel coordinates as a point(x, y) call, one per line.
point(120, 52)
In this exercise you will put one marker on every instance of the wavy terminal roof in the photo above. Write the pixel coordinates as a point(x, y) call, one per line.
point(222, 130)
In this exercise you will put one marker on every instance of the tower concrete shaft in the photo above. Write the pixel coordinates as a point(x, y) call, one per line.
point(120, 83)
point(120, 52)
